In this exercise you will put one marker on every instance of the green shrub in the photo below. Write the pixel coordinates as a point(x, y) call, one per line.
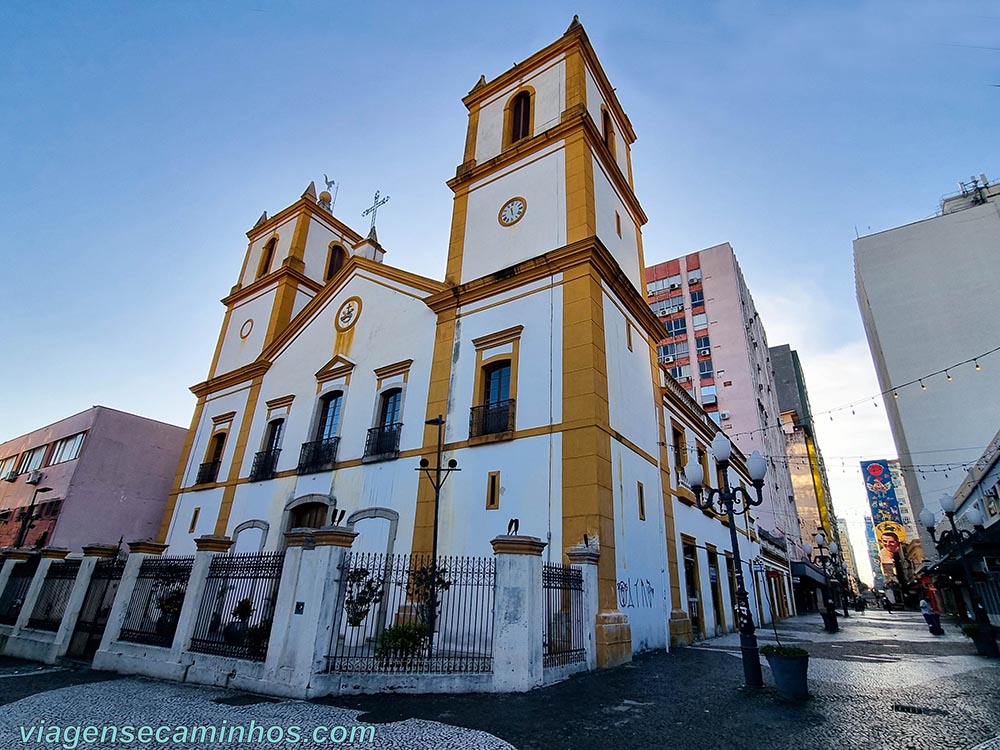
point(402, 641)
point(791, 651)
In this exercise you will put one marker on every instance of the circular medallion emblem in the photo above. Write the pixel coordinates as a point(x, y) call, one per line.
point(348, 313)
point(512, 211)
point(246, 328)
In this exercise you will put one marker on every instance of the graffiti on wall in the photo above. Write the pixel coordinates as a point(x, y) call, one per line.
point(635, 592)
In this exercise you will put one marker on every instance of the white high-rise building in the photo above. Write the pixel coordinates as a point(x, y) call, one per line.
point(927, 292)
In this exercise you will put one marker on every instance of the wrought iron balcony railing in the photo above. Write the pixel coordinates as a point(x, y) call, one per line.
point(383, 442)
point(319, 455)
point(264, 465)
point(208, 472)
point(492, 419)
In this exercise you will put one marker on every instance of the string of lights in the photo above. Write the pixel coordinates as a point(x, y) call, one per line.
point(893, 390)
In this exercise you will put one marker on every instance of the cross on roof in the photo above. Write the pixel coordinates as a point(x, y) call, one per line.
point(374, 208)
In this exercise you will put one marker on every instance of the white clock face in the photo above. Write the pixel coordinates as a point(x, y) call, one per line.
point(512, 211)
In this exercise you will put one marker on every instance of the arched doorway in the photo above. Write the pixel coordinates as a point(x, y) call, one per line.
point(311, 511)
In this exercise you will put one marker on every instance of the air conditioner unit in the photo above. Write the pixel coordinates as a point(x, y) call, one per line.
point(723, 415)
point(675, 286)
point(11, 476)
point(34, 477)
point(705, 352)
point(668, 360)
point(684, 379)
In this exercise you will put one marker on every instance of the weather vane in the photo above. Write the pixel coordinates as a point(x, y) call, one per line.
point(374, 209)
point(335, 187)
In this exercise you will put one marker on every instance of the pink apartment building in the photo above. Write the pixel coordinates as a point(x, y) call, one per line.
point(717, 349)
point(94, 477)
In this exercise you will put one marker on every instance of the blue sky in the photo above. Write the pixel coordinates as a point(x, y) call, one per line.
point(141, 140)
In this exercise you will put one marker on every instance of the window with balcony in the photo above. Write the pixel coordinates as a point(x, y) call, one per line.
point(320, 453)
point(265, 462)
point(383, 438)
point(208, 472)
point(496, 413)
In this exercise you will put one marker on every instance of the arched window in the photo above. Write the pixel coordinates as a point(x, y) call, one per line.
point(496, 380)
point(496, 414)
point(389, 410)
point(329, 415)
point(308, 516)
point(383, 438)
point(265, 462)
point(335, 261)
point(266, 257)
point(209, 471)
point(520, 124)
point(218, 443)
point(320, 453)
point(608, 130)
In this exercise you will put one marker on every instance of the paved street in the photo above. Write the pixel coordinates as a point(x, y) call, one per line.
point(883, 681)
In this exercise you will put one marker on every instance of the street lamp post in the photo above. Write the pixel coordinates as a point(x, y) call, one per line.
point(956, 539)
point(437, 475)
point(727, 500)
point(825, 560)
point(29, 516)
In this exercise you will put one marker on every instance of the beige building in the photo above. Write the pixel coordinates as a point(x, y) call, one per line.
point(847, 552)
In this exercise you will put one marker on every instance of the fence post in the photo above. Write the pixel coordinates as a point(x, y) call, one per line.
point(585, 560)
point(518, 619)
point(138, 551)
point(11, 558)
point(208, 546)
point(77, 594)
point(49, 555)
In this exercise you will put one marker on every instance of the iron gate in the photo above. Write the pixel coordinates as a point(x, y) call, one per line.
point(96, 607)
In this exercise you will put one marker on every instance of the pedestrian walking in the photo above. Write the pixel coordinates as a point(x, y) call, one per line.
point(932, 618)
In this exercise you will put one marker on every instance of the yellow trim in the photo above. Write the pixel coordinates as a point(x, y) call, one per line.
point(508, 116)
point(259, 287)
point(333, 246)
point(456, 242)
point(278, 403)
point(499, 338)
point(581, 218)
point(524, 210)
point(310, 207)
point(218, 346)
point(493, 498)
point(182, 464)
point(266, 254)
point(437, 403)
point(297, 249)
point(690, 540)
point(340, 311)
point(608, 135)
point(246, 329)
point(471, 134)
point(224, 431)
point(338, 367)
point(231, 378)
point(226, 506)
point(223, 418)
point(576, 80)
point(393, 371)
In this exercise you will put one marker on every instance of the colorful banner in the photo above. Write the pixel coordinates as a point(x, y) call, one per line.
point(873, 552)
point(889, 530)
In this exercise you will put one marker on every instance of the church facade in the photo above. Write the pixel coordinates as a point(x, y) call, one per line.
point(537, 349)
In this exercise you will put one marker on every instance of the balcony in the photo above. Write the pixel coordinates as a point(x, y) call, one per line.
point(264, 465)
point(383, 442)
point(319, 455)
point(492, 419)
point(208, 472)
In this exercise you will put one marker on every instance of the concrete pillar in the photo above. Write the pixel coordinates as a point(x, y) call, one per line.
point(138, 551)
point(11, 558)
point(585, 560)
point(518, 614)
point(78, 595)
point(208, 546)
point(306, 611)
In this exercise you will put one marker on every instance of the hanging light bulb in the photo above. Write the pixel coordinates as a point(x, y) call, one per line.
point(852, 411)
point(978, 366)
point(894, 393)
point(922, 386)
point(875, 403)
point(948, 375)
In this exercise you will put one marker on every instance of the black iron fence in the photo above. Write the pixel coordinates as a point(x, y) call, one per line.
point(52, 599)
point(97, 603)
point(208, 472)
point(265, 464)
point(319, 455)
point(563, 639)
point(237, 608)
point(155, 605)
point(12, 598)
point(383, 442)
point(384, 618)
point(492, 419)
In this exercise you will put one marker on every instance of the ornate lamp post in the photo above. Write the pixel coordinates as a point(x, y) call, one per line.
point(734, 501)
point(437, 475)
point(955, 539)
point(825, 561)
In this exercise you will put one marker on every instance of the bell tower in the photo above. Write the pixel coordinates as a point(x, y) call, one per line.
point(547, 163)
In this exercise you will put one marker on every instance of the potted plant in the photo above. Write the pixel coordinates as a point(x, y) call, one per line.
point(169, 602)
point(984, 636)
point(363, 590)
point(399, 644)
point(789, 665)
point(236, 630)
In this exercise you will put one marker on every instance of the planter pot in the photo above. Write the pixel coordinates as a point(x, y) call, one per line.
point(790, 676)
point(235, 632)
point(986, 643)
point(830, 624)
